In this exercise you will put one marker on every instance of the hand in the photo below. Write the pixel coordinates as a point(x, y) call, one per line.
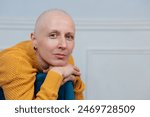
point(67, 70)
point(69, 78)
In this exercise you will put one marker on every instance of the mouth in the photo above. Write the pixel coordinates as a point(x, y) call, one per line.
point(60, 56)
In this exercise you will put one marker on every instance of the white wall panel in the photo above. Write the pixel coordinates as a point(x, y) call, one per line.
point(118, 74)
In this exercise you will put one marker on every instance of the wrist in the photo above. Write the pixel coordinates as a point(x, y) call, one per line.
point(58, 70)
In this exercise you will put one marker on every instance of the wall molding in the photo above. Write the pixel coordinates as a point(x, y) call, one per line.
point(111, 51)
point(82, 24)
point(126, 51)
point(16, 24)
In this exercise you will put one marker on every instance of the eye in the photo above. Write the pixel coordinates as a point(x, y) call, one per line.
point(69, 37)
point(53, 35)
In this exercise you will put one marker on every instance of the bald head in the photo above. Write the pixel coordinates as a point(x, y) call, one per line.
point(53, 38)
point(49, 16)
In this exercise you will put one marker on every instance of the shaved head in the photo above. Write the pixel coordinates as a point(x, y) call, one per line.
point(53, 37)
point(49, 15)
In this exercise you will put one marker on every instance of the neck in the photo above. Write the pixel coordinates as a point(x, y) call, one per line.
point(43, 64)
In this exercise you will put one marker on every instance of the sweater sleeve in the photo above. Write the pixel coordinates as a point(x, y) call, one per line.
point(79, 86)
point(17, 79)
point(50, 87)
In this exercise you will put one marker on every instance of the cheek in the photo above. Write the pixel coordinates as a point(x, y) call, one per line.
point(71, 47)
point(44, 50)
point(49, 45)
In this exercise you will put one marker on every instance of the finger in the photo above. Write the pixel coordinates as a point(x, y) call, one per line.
point(69, 78)
point(50, 67)
point(76, 68)
point(76, 73)
point(45, 71)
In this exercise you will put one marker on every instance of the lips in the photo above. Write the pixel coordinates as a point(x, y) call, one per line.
point(60, 55)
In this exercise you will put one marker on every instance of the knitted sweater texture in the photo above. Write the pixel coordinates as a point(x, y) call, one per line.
point(18, 69)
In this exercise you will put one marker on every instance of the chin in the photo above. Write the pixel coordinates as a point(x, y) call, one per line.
point(59, 63)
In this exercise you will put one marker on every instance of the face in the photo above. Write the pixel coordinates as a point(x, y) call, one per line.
point(55, 41)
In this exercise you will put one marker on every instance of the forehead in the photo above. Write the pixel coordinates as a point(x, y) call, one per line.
point(60, 25)
point(57, 21)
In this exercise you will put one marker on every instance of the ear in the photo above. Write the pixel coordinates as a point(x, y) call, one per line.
point(34, 40)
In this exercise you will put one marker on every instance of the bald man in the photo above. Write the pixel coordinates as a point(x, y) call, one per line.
point(49, 51)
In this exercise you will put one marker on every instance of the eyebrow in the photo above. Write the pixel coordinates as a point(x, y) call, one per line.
point(70, 33)
point(56, 31)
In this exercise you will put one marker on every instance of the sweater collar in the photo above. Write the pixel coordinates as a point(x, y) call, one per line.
point(33, 57)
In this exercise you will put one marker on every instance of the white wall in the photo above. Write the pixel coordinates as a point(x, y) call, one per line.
point(114, 9)
point(112, 41)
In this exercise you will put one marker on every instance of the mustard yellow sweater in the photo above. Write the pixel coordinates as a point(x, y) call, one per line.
point(18, 67)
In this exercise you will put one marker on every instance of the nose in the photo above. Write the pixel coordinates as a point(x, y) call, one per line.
point(62, 43)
